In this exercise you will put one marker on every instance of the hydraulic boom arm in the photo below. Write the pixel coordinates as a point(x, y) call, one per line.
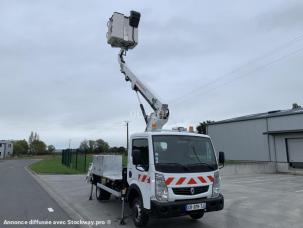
point(159, 117)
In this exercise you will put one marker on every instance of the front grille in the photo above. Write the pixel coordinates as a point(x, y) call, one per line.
point(188, 191)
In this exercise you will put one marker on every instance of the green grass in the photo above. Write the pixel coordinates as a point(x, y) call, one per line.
point(80, 163)
point(124, 160)
point(52, 165)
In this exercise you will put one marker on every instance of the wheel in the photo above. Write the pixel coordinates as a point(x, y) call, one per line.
point(196, 215)
point(102, 194)
point(140, 217)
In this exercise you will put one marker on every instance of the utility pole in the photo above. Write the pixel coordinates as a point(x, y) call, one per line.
point(127, 134)
point(69, 143)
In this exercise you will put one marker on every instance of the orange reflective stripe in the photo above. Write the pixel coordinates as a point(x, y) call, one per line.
point(211, 178)
point(143, 178)
point(169, 180)
point(202, 179)
point(192, 181)
point(180, 181)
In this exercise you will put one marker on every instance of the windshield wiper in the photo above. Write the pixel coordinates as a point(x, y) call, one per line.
point(202, 163)
point(173, 163)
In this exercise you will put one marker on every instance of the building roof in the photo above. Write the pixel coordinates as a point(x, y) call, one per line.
point(263, 115)
point(5, 141)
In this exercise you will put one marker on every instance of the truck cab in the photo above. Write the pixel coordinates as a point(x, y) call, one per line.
point(172, 173)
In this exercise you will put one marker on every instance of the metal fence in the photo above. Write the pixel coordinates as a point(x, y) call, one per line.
point(76, 159)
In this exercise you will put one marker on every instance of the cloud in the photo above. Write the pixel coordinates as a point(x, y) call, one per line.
point(286, 15)
point(59, 76)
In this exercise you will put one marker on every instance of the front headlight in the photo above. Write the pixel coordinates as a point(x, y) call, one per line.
point(216, 185)
point(160, 188)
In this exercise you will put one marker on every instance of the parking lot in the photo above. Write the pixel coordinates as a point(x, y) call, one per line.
point(269, 200)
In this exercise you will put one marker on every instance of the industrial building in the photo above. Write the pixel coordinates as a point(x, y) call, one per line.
point(6, 148)
point(275, 136)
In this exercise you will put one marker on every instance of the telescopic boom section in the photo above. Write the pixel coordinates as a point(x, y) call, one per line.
point(159, 117)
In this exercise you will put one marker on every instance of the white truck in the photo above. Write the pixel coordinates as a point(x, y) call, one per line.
point(169, 172)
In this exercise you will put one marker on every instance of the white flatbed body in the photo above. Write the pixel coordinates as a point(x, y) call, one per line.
point(108, 166)
point(113, 177)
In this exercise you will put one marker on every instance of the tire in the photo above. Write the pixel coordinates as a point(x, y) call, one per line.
point(196, 215)
point(102, 194)
point(140, 216)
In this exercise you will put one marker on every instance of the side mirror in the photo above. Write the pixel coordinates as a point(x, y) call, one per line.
point(136, 157)
point(221, 158)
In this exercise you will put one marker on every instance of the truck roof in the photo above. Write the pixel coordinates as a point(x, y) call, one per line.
point(168, 132)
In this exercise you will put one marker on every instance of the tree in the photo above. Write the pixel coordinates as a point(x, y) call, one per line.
point(30, 141)
point(32, 137)
point(50, 149)
point(84, 145)
point(122, 150)
point(201, 128)
point(101, 146)
point(296, 106)
point(20, 147)
point(38, 147)
point(36, 136)
point(91, 146)
point(112, 150)
point(117, 150)
point(94, 146)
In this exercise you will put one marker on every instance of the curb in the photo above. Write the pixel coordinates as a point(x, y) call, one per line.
point(58, 198)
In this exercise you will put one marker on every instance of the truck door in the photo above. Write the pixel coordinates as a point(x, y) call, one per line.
point(140, 174)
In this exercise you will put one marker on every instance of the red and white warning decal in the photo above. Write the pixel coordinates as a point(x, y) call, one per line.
point(143, 178)
point(189, 180)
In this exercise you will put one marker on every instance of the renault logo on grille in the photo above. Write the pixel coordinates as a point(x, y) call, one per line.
point(192, 191)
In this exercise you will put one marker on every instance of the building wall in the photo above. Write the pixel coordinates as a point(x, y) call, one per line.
point(280, 145)
point(1, 149)
point(290, 122)
point(277, 142)
point(10, 148)
point(242, 140)
point(6, 148)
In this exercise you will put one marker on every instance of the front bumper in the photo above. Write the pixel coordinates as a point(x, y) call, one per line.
point(177, 208)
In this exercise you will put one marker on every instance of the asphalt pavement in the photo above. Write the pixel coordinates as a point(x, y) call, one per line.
point(258, 200)
point(22, 199)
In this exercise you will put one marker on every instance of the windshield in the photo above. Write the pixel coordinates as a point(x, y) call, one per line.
point(174, 153)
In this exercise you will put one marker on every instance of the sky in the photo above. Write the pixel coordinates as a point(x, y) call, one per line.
point(209, 60)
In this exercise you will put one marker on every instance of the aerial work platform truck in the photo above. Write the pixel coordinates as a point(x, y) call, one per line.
point(169, 172)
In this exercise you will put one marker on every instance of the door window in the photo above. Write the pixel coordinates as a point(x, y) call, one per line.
point(142, 146)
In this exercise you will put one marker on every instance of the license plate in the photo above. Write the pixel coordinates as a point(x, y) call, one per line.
point(196, 206)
